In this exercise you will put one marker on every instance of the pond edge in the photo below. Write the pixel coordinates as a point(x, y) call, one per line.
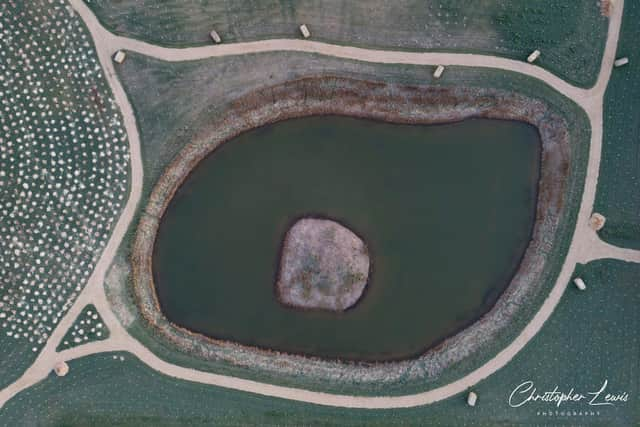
point(325, 95)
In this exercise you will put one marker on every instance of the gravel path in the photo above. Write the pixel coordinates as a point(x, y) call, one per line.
point(586, 245)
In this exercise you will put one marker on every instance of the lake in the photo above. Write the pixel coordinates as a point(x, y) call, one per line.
point(446, 211)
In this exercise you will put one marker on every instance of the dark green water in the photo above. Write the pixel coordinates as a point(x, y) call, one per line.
point(446, 211)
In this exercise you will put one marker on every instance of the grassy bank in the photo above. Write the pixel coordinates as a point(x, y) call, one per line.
point(101, 390)
point(571, 35)
point(618, 196)
point(183, 96)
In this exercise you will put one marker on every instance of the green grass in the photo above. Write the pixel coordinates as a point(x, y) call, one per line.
point(570, 34)
point(618, 197)
point(87, 327)
point(592, 336)
point(173, 101)
point(63, 172)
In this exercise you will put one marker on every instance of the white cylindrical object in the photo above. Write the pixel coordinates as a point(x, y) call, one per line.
point(534, 55)
point(621, 61)
point(119, 57)
point(305, 31)
point(580, 283)
point(438, 72)
point(472, 399)
point(215, 36)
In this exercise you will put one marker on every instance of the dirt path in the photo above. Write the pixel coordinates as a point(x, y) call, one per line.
point(585, 246)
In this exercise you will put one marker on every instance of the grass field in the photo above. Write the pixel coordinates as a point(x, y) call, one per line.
point(172, 101)
point(203, 89)
point(87, 327)
point(570, 35)
point(63, 172)
point(618, 195)
point(64, 179)
point(101, 390)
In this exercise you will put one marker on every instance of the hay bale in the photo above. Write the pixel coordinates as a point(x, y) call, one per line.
point(472, 398)
point(579, 283)
point(305, 31)
point(61, 368)
point(215, 36)
point(534, 55)
point(596, 222)
point(120, 56)
point(438, 72)
point(621, 61)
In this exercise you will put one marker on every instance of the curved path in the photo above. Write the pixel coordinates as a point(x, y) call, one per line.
point(585, 246)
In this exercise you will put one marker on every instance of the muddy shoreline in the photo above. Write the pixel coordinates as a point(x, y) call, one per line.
point(378, 101)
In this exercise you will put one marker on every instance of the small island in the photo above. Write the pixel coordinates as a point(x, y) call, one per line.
point(323, 266)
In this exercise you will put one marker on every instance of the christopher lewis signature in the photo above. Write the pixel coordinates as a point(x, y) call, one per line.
point(527, 392)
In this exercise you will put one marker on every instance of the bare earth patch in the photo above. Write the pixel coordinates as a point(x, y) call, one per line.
point(323, 266)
